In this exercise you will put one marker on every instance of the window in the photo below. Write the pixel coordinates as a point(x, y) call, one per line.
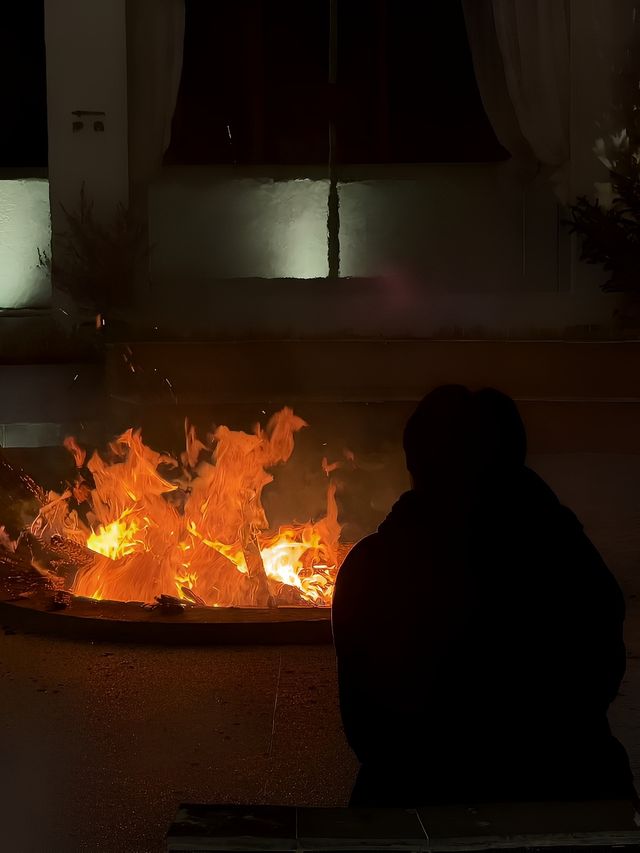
point(25, 227)
point(255, 84)
point(23, 142)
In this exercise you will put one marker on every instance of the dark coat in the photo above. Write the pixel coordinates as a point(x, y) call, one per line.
point(478, 653)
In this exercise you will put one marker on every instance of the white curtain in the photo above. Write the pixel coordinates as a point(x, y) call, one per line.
point(521, 56)
point(155, 39)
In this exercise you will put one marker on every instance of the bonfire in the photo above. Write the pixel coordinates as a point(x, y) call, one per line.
point(138, 525)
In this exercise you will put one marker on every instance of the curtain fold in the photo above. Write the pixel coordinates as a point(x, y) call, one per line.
point(521, 56)
point(491, 79)
point(155, 40)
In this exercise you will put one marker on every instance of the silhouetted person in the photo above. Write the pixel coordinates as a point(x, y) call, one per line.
point(478, 632)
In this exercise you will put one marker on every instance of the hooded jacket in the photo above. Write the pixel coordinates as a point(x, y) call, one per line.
point(478, 651)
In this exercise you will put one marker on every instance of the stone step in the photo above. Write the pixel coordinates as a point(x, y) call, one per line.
point(372, 370)
point(574, 396)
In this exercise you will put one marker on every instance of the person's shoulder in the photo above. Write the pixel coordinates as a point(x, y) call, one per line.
point(543, 504)
point(356, 591)
point(359, 569)
point(360, 556)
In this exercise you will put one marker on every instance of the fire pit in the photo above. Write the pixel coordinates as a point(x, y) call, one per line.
point(145, 543)
point(129, 622)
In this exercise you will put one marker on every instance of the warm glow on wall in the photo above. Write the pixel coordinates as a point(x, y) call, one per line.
point(299, 235)
point(25, 227)
point(203, 229)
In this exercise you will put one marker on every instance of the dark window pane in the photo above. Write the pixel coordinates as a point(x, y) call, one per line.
point(296, 68)
point(23, 99)
point(361, 118)
point(407, 84)
point(254, 83)
point(254, 86)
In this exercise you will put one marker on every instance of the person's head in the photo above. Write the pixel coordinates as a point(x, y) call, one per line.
point(455, 436)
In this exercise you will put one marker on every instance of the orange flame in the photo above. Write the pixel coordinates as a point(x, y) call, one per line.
point(196, 529)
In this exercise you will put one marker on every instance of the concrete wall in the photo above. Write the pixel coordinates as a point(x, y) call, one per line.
point(86, 70)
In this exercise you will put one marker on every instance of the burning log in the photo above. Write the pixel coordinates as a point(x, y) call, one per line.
point(169, 604)
point(11, 563)
point(193, 597)
point(59, 555)
point(289, 596)
point(60, 600)
point(19, 579)
point(257, 574)
point(67, 554)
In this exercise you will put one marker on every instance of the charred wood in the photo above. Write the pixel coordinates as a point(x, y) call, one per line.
point(62, 556)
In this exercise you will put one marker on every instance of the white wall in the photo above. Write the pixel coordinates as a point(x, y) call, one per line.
point(205, 228)
point(423, 250)
point(464, 228)
point(25, 228)
point(410, 220)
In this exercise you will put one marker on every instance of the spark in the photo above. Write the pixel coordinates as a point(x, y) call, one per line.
point(63, 311)
point(175, 399)
point(231, 144)
point(76, 376)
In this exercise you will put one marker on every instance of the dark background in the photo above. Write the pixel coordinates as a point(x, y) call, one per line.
point(255, 87)
point(255, 90)
point(23, 133)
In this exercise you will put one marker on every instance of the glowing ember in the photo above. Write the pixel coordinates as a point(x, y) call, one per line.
point(194, 527)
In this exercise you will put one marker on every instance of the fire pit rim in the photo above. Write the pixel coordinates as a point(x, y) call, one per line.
point(130, 622)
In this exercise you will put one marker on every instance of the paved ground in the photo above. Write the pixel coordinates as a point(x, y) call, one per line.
point(98, 744)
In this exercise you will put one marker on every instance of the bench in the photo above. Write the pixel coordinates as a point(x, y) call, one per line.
point(442, 829)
